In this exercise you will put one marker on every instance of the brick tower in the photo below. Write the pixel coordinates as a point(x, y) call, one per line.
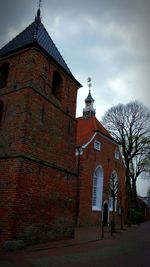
point(37, 138)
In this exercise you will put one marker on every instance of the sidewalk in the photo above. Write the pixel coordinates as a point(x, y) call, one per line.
point(82, 235)
point(86, 241)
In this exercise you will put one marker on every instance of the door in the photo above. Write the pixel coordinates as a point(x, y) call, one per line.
point(105, 214)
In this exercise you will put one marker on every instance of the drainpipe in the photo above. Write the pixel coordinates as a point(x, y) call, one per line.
point(78, 184)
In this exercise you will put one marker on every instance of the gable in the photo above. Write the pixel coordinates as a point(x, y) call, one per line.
point(86, 128)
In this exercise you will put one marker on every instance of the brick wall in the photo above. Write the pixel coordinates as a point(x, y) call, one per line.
point(8, 185)
point(89, 161)
point(37, 147)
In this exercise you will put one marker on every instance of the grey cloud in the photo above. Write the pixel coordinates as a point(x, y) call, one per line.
point(101, 38)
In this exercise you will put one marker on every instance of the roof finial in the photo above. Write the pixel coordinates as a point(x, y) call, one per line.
point(89, 83)
point(38, 16)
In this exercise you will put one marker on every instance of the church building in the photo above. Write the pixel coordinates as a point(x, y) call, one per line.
point(54, 169)
point(99, 161)
point(38, 176)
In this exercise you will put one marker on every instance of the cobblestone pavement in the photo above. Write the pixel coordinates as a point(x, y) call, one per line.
point(127, 248)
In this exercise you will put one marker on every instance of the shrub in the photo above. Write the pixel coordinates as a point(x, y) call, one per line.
point(31, 234)
point(136, 216)
point(61, 227)
point(12, 245)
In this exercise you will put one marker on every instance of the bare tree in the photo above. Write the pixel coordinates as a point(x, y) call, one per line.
point(121, 205)
point(130, 126)
point(112, 193)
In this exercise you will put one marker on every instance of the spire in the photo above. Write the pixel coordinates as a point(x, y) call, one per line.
point(89, 83)
point(89, 111)
point(38, 16)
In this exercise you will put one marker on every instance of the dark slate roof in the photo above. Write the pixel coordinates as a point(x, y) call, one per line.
point(36, 34)
point(89, 98)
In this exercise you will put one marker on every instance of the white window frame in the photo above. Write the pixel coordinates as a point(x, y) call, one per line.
point(110, 204)
point(97, 192)
point(97, 145)
point(117, 155)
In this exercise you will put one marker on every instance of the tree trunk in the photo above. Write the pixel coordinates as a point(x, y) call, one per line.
point(134, 195)
point(113, 216)
point(129, 194)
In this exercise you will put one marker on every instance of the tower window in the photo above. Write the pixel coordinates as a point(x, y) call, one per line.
point(1, 110)
point(4, 69)
point(57, 85)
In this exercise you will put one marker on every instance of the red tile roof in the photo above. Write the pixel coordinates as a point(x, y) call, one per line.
point(87, 127)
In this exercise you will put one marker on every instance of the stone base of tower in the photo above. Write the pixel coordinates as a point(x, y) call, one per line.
point(37, 202)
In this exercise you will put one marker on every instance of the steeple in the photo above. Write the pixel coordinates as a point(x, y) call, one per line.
point(89, 111)
point(35, 35)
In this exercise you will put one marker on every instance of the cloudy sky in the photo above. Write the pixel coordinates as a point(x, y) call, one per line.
point(107, 40)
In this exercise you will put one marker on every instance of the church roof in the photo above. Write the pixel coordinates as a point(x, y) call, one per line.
point(87, 127)
point(36, 35)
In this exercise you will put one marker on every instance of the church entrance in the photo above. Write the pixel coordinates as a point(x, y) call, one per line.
point(105, 214)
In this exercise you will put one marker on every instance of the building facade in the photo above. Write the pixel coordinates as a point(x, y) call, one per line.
point(100, 166)
point(37, 138)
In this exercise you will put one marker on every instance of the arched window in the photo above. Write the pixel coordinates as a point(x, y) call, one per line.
point(113, 188)
point(4, 70)
point(97, 193)
point(1, 111)
point(57, 85)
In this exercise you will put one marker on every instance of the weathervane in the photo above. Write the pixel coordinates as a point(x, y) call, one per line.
point(40, 2)
point(89, 83)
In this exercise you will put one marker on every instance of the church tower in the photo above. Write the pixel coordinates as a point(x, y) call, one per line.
point(89, 111)
point(37, 137)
